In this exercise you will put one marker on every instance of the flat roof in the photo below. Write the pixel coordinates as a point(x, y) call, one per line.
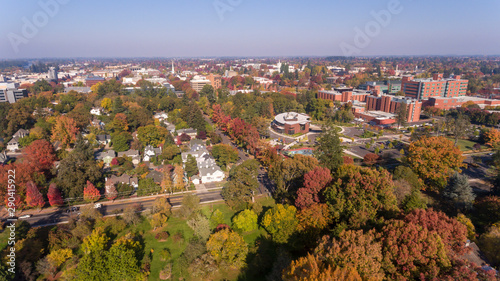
point(286, 117)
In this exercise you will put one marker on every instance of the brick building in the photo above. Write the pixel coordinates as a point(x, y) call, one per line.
point(448, 103)
point(291, 123)
point(390, 104)
point(92, 80)
point(215, 80)
point(344, 96)
point(437, 86)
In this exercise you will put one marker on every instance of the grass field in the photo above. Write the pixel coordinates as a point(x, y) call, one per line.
point(466, 145)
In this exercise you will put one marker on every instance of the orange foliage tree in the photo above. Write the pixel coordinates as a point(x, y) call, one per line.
point(33, 196)
point(65, 130)
point(434, 159)
point(90, 193)
point(492, 137)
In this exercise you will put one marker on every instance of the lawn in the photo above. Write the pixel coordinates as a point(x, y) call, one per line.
point(466, 145)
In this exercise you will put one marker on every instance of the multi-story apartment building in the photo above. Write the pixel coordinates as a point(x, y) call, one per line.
point(198, 82)
point(437, 86)
point(344, 96)
point(215, 80)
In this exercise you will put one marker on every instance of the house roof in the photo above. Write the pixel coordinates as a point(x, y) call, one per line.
point(130, 153)
point(209, 171)
point(157, 176)
point(121, 179)
point(104, 154)
point(103, 137)
point(21, 133)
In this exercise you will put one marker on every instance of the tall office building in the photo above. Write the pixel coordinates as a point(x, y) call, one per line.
point(52, 74)
point(12, 95)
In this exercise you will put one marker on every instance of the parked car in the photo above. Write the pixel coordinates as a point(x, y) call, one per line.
point(97, 206)
point(26, 216)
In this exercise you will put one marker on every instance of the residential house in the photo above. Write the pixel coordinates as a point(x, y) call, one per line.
point(133, 154)
point(3, 158)
point(106, 156)
point(125, 179)
point(193, 142)
point(207, 166)
point(97, 123)
point(162, 116)
point(97, 111)
point(103, 139)
point(156, 176)
point(171, 128)
point(13, 144)
point(189, 131)
point(150, 152)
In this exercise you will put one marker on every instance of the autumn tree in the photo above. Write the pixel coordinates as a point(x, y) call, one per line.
point(90, 193)
point(65, 130)
point(200, 225)
point(160, 212)
point(434, 159)
point(359, 194)
point(166, 183)
point(228, 248)
point(280, 222)
point(106, 103)
point(491, 137)
point(489, 242)
point(39, 155)
point(353, 249)
point(370, 159)
point(452, 233)
point(411, 251)
point(312, 267)
point(54, 195)
point(33, 196)
point(312, 221)
point(314, 182)
point(119, 123)
point(245, 221)
point(179, 183)
point(152, 135)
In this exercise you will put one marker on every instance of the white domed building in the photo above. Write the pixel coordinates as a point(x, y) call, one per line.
point(291, 123)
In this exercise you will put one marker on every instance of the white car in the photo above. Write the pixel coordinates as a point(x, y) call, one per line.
point(26, 216)
point(97, 206)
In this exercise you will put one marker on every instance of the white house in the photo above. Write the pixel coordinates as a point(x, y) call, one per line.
point(13, 144)
point(211, 174)
point(189, 131)
point(207, 167)
point(150, 152)
point(162, 116)
point(96, 110)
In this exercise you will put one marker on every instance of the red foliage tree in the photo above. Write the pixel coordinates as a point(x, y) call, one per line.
point(184, 137)
point(348, 160)
point(90, 193)
point(23, 174)
point(54, 195)
point(202, 135)
point(18, 202)
point(33, 196)
point(114, 162)
point(452, 233)
point(412, 252)
point(39, 155)
point(370, 159)
point(314, 182)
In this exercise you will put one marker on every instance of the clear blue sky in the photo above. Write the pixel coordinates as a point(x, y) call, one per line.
point(170, 28)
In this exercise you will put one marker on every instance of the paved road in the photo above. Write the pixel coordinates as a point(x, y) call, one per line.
point(117, 207)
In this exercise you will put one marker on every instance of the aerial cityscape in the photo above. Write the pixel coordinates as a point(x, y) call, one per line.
point(238, 140)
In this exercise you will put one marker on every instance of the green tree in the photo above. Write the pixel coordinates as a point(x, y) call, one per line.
point(121, 141)
point(242, 182)
point(329, 151)
point(147, 187)
point(121, 263)
point(280, 222)
point(245, 221)
point(459, 191)
point(228, 248)
point(118, 106)
point(208, 91)
point(76, 169)
point(190, 204)
point(413, 201)
point(224, 154)
point(191, 166)
point(200, 225)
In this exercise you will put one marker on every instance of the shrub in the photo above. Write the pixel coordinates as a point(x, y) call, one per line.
point(165, 255)
point(162, 235)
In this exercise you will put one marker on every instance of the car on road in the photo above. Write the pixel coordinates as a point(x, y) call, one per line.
point(26, 216)
point(97, 206)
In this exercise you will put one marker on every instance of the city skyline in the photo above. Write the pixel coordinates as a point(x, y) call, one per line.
point(226, 28)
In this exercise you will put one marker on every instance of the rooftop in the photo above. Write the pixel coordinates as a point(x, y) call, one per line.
point(292, 118)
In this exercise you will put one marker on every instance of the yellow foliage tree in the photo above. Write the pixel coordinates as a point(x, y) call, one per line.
point(65, 130)
point(492, 137)
point(106, 103)
point(58, 257)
